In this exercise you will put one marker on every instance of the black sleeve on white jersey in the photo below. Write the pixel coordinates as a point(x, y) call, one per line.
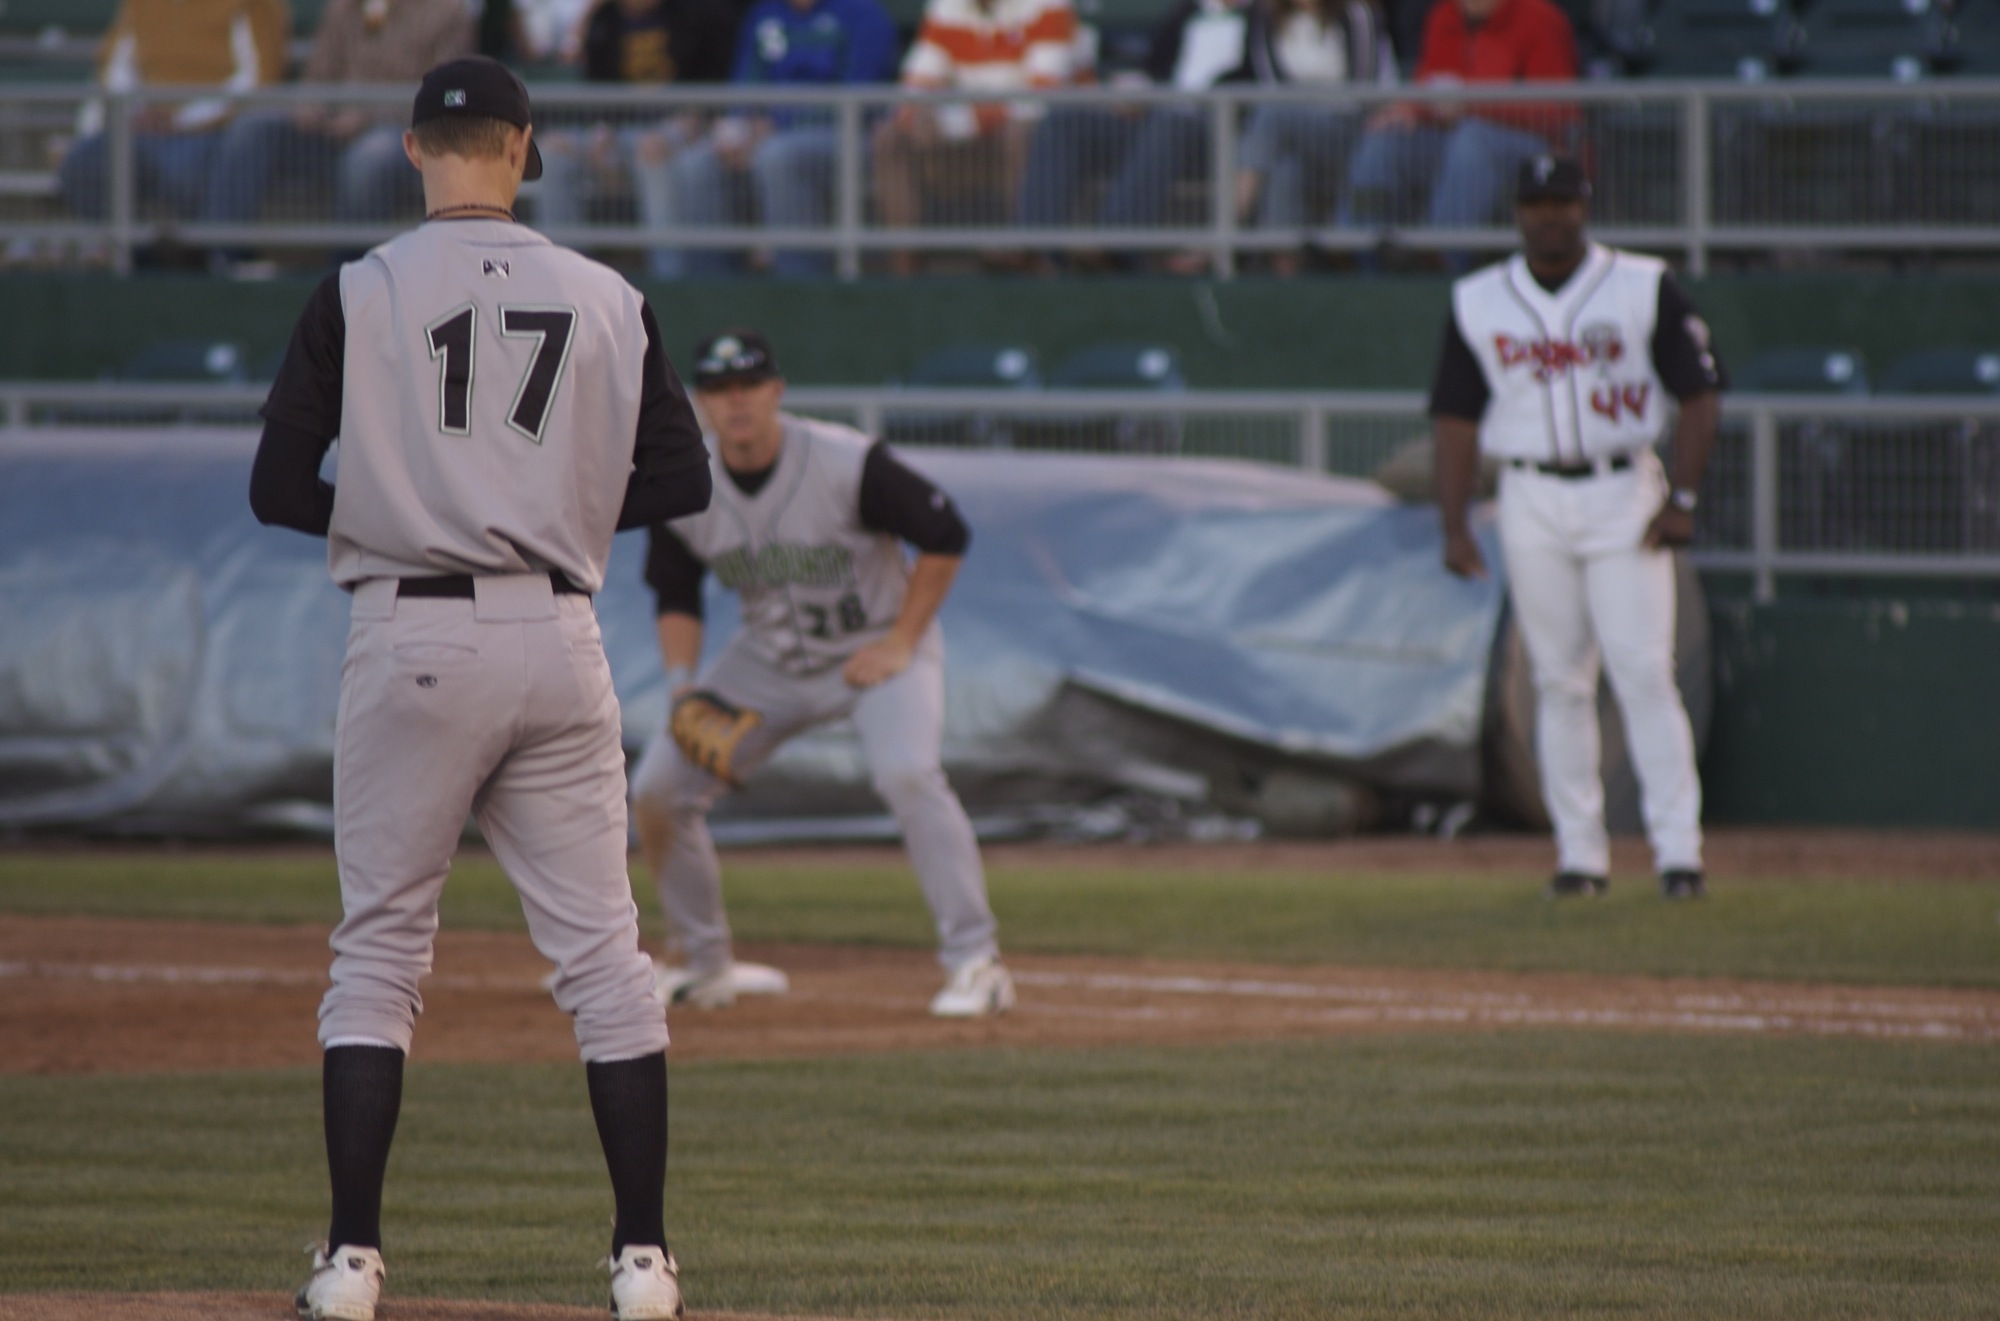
point(301, 419)
point(1459, 388)
point(673, 572)
point(906, 505)
point(670, 476)
point(1682, 354)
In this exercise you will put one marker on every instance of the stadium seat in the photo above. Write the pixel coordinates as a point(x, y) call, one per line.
point(1120, 367)
point(1114, 366)
point(1947, 369)
point(1803, 369)
point(965, 367)
point(1897, 39)
point(76, 17)
point(1746, 39)
point(221, 362)
point(978, 366)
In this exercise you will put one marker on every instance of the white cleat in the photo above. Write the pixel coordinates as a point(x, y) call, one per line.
point(645, 1285)
point(344, 1285)
point(718, 990)
point(980, 989)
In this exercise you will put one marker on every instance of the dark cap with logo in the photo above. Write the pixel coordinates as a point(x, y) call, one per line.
point(477, 87)
point(734, 355)
point(1550, 179)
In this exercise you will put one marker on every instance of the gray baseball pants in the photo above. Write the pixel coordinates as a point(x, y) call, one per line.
point(500, 707)
point(901, 724)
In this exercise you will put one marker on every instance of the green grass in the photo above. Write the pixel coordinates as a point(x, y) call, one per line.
point(1854, 931)
point(1520, 1175)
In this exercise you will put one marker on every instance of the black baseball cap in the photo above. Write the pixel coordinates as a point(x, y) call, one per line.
point(1550, 179)
point(734, 355)
point(477, 87)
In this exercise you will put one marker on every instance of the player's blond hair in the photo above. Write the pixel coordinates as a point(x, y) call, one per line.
point(474, 137)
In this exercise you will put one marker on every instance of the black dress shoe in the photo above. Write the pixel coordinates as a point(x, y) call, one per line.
point(1682, 884)
point(1576, 884)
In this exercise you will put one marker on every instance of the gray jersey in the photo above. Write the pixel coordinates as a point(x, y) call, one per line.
point(483, 435)
point(816, 585)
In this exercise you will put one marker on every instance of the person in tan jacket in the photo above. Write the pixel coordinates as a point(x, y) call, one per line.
point(215, 49)
point(353, 151)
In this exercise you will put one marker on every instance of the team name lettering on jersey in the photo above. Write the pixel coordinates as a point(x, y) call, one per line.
point(1550, 358)
point(780, 565)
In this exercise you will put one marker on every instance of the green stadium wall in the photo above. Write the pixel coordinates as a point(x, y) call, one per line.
point(1838, 703)
point(1335, 333)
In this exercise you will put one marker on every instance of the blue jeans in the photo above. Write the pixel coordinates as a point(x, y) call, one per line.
point(1290, 146)
point(170, 167)
point(1466, 170)
point(793, 174)
point(1148, 155)
point(571, 177)
point(370, 176)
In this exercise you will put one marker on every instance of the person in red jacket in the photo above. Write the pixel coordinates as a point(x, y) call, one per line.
point(1464, 155)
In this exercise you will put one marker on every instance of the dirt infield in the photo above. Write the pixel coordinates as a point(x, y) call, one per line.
point(89, 996)
point(277, 1307)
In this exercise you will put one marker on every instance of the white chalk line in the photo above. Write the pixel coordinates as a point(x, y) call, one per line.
point(1350, 1005)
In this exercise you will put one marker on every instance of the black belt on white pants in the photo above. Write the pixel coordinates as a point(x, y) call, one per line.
point(1570, 472)
point(459, 585)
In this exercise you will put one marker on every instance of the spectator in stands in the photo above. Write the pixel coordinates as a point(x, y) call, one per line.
point(213, 48)
point(947, 150)
point(1291, 145)
point(643, 42)
point(1198, 45)
point(1465, 154)
point(789, 154)
point(358, 150)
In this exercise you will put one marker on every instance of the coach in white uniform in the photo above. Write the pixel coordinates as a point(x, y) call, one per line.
point(1559, 362)
point(503, 405)
point(807, 525)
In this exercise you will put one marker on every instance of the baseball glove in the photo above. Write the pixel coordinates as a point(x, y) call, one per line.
point(707, 728)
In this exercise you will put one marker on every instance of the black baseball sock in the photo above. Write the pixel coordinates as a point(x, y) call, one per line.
point(362, 1090)
point(628, 1098)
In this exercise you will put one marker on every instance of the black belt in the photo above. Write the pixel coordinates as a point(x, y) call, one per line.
point(1570, 472)
point(460, 585)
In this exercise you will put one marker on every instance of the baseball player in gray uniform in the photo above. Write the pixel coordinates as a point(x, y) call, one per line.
point(1559, 362)
point(806, 526)
point(502, 405)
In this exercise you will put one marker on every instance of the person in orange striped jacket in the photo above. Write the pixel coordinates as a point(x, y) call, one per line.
point(966, 157)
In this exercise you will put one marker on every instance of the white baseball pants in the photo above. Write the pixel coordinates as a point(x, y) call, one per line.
point(901, 724)
point(499, 707)
point(1584, 586)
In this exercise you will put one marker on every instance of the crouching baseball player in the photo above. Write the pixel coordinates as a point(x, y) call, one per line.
point(805, 525)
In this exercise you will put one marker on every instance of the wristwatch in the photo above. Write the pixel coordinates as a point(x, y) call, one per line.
point(1683, 499)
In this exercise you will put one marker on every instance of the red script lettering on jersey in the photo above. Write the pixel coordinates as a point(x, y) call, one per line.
point(1550, 358)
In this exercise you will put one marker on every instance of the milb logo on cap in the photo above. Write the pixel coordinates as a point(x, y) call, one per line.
point(455, 98)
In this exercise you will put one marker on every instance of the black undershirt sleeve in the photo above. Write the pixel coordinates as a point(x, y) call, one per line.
point(1682, 353)
point(302, 418)
point(670, 475)
point(906, 505)
point(1459, 388)
point(673, 572)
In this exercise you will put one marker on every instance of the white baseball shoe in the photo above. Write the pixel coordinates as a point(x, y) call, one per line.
point(345, 1284)
point(645, 1285)
point(980, 989)
point(718, 990)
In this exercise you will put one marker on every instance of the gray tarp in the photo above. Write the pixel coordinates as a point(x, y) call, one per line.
point(1180, 628)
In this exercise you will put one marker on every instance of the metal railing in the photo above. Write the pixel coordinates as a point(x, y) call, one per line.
point(1693, 169)
point(1799, 485)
